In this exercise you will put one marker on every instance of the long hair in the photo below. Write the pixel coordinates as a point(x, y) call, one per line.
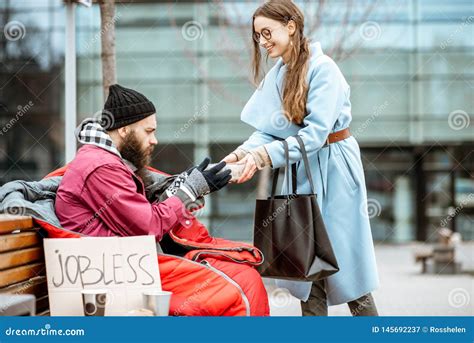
point(295, 90)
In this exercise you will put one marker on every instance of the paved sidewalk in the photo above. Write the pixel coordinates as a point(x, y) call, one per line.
point(403, 291)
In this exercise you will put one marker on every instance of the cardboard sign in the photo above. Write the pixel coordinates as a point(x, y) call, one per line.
point(125, 266)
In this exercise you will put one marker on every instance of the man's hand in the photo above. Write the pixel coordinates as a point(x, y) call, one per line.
point(215, 177)
point(197, 181)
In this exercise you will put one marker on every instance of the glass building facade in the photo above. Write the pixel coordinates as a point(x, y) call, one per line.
point(410, 65)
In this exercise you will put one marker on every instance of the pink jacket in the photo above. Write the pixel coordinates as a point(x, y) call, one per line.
point(99, 195)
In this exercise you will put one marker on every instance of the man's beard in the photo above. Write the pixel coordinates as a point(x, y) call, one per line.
point(131, 150)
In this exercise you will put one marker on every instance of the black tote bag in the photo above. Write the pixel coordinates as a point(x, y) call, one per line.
point(290, 231)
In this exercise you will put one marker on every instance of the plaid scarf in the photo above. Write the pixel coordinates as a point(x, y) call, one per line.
point(91, 132)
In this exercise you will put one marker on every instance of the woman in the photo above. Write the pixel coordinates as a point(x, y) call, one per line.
point(305, 94)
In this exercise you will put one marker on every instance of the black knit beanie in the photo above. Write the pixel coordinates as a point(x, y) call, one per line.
point(124, 106)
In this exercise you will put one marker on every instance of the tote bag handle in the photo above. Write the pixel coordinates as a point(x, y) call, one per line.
point(276, 172)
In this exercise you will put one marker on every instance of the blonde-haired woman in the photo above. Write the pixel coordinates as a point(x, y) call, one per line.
point(305, 94)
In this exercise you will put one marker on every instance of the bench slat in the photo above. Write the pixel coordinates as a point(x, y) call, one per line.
point(18, 240)
point(36, 285)
point(9, 223)
point(20, 257)
point(42, 303)
point(44, 313)
point(18, 274)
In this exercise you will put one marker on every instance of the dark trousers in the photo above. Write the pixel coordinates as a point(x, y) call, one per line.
point(317, 303)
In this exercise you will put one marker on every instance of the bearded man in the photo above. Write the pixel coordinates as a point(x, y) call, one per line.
point(102, 192)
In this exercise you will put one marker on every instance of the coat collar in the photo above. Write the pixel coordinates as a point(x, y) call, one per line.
point(264, 109)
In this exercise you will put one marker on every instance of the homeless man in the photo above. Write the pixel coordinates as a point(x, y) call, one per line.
point(105, 190)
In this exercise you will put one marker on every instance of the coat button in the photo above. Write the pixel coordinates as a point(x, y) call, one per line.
point(187, 222)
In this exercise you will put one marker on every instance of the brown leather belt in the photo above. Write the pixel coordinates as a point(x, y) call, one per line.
point(337, 136)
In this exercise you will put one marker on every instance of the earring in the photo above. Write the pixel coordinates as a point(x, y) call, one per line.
point(291, 42)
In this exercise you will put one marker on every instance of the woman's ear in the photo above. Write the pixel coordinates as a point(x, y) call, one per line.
point(291, 27)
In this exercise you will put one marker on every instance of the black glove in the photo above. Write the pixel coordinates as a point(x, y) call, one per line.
point(215, 177)
point(198, 181)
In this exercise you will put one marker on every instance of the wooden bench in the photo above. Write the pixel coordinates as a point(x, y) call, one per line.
point(423, 257)
point(22, 268)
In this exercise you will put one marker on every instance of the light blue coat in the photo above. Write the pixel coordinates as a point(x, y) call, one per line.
point(336, 170)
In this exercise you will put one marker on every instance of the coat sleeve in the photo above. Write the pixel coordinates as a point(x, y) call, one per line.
point(113, 196)
point(326, 95)
point(256, 139)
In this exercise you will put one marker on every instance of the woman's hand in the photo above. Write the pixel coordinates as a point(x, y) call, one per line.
point(231, 158)
point(249, 169)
